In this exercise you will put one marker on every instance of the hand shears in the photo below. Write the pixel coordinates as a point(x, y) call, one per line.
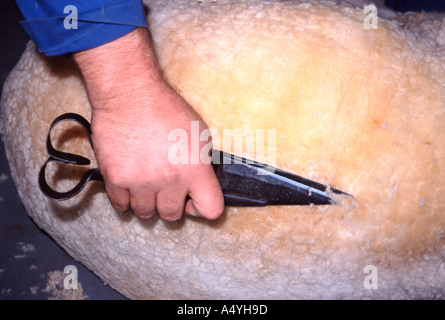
point(244, 182)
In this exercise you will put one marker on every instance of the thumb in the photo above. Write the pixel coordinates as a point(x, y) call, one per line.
point(207, 200)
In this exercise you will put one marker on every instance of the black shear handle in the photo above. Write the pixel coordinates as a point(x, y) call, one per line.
point(69, 158)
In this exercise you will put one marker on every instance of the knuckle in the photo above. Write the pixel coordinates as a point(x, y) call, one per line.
point(119, 206)
point(143, 213)
point(142, 210)
point(118, 203)
point(170, 211)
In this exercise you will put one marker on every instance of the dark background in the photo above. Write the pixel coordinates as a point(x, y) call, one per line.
point(21, 269)
point(416, 5)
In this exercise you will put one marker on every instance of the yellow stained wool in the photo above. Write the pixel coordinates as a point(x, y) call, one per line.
point(359, 109)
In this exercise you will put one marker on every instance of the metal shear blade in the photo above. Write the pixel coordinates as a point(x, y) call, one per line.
point(244, 182)
point(249, 183)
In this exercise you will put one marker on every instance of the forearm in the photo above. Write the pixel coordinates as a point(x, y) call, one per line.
point(122, 66)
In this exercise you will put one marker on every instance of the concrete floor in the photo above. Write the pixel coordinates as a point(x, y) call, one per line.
point(28, 256)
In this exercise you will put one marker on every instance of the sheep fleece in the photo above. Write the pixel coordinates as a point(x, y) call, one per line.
point(362, 110)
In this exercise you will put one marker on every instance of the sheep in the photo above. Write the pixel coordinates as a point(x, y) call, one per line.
point(361, 109)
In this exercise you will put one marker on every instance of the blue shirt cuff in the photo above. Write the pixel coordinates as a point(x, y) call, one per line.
point(98, 22)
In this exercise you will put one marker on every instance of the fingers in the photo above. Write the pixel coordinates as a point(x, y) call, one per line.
point(170, 203)
point(119, 197)
point(143, 202)
point(206, 201)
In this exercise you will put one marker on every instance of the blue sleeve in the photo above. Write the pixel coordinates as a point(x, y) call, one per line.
point(64, 26)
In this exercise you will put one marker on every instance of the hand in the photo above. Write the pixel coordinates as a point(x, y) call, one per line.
point(134, 110)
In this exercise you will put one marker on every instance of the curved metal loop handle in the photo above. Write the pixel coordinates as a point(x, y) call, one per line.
point(65, 156)
point(69, 158)
point(92, 174)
